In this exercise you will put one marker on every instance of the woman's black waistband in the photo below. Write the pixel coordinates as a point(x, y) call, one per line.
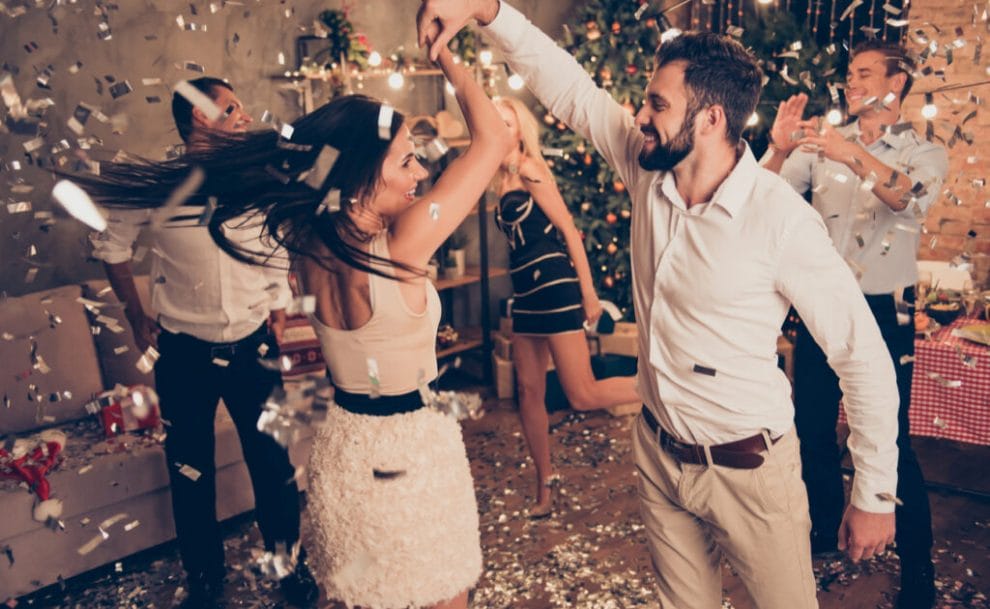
point(381, 406)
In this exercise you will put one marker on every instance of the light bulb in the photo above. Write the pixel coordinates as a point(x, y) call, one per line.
point(374, 59)
point(396, 80)
point(834, 117)
point(516, 82)
point(753, 120)
point(485, 57)
point(765, 2)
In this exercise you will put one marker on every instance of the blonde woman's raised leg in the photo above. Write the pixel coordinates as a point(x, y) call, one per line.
point(584, 392)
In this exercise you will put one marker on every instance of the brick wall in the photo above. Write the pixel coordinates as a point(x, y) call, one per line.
point(967, 208)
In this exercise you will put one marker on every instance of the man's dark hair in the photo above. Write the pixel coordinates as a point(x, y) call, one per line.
point(895, 56)
point(182, 110)
point(718, 71)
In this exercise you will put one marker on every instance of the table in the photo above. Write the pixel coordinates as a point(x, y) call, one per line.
point(950, 390)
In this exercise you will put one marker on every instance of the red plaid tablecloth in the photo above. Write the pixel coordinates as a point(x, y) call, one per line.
point(950, 389)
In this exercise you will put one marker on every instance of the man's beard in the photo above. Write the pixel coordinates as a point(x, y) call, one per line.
point(665, 157)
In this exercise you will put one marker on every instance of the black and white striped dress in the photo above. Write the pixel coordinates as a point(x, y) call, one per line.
point(547, 295)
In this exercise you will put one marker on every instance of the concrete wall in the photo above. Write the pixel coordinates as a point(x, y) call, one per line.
point(242, 42)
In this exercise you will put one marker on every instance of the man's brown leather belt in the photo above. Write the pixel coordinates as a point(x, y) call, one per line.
point(741, 454)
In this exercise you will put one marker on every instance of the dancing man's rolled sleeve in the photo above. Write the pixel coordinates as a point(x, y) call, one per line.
point(828, 299)
point(566, 89)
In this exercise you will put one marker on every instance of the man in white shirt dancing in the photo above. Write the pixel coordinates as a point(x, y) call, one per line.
point(217, 317)
point(720, 249)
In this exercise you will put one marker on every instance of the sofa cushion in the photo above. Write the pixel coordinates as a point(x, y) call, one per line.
point(122, 482)
point(53, 386)
point(117, 352)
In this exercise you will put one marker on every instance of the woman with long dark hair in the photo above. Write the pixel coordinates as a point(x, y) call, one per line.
point(391, 520)
point(553, 296)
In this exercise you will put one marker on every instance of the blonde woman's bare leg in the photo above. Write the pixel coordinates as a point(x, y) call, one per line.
point(530, 356)
point(584, 392)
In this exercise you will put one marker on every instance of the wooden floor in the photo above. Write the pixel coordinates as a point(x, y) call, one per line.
point(591, 553)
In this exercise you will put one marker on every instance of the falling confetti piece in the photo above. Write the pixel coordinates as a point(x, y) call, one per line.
point(938, 378)
point(189, 471)
point(890, 497)
point(317, 174)
point(385, 114)
point(78, 204)
point(120, 89)
point(146, 363)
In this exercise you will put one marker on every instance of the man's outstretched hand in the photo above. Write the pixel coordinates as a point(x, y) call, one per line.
point(439, 21)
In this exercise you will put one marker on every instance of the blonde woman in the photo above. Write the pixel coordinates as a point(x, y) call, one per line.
point(553, 296)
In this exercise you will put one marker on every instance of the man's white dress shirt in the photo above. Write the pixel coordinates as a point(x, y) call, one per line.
point(712, 284)
point(198, 289)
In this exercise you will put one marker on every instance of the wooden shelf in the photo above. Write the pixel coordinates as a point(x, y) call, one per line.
point(471, 275)
point(470, 338)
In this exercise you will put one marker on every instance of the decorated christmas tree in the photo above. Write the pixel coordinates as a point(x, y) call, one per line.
point(792, 63)
point(615, 42)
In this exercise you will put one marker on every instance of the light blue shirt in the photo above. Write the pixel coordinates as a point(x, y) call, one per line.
point(878, 243)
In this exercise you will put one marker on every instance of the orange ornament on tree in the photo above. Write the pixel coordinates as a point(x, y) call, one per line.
point(609, 282)
point(612, 248)
point(587, 159)
point(618, 186)
point(611, 218)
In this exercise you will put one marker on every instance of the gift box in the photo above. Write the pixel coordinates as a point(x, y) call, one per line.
point(505, 377)
point(300, 344)
point(124, 409)
point(503, 345)
point(623, 341)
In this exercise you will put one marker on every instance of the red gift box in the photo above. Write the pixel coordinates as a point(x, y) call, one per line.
point(302, 347)
point(124, 409)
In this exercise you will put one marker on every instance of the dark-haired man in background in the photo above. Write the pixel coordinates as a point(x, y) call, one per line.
point(720, 249)
point(217, 318)
point(872, 181)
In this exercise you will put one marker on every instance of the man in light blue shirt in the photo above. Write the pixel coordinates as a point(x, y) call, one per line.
point(872, 181)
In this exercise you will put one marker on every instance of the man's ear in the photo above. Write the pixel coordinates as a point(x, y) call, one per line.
point(899, 81)
point(711, 119)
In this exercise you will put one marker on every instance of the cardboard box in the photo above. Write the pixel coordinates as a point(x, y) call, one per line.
point(503, 345)
point(624, 341)
point(505, 378)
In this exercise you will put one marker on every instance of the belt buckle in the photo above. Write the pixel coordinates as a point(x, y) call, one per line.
point(225, 352)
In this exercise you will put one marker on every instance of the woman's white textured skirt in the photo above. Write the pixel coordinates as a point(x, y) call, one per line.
point(391, 519)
